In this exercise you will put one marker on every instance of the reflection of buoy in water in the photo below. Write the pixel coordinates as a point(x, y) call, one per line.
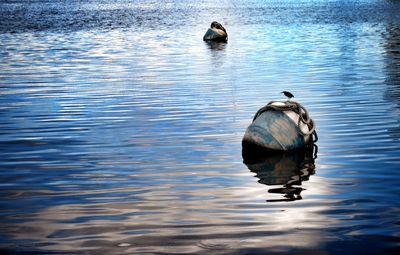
point(280, 126)
point(287, 169)
point(281, 168)
point(216, 33)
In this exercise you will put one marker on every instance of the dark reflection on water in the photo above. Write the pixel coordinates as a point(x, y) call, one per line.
point(287, 169)
point(391, 44)
point(120, 129)
point(216, 45)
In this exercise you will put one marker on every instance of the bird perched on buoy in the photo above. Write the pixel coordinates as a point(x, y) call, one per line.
point(288, 94)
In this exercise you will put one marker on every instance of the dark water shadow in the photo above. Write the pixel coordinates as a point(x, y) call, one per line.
point(285, 169)
point(213, 45)
point(391, 46)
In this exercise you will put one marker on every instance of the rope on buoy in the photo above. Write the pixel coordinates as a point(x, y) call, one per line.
point(295, 107)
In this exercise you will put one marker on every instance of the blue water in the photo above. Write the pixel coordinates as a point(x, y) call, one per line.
point(120, 129)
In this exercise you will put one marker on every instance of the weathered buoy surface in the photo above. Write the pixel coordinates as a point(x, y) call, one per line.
point(216, 32)
point(280, 126)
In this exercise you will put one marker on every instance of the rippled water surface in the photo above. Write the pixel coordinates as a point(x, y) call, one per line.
point(120, 129)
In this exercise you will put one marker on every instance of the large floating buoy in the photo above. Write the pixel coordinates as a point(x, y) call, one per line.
point(216, 32)
point(280, 126)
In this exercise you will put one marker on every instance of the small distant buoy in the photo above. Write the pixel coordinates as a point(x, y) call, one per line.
point(216, 32)
point(280, 126)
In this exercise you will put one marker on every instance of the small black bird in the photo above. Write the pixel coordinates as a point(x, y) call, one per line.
point(287, 94)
